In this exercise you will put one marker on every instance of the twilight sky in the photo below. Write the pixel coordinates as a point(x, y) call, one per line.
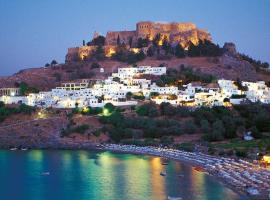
point(33, 32)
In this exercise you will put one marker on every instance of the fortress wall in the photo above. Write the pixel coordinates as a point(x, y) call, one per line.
point(72, 54)
point(111, 37)
point(85, 51)
point(143, 29)
point(204, 35)
point(183, 27)
point(177, 33)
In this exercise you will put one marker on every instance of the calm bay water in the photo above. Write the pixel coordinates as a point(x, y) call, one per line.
point(84, 175)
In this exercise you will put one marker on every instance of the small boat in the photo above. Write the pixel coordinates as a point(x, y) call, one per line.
point(45, 173)
point(165, 163)
point(24, 149)
point(13, 149)
point(163, 173)
point(252, 191)
point(174, 198)
point(180, 175)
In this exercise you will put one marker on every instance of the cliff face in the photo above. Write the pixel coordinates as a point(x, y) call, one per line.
point(35, 134)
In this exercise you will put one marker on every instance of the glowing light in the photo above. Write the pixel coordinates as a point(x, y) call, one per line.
point(85, 109)
point(110, 52)
point(266, 159)
point(105, 112)
point(160, 42)
point(39, 113)
point(135, 50)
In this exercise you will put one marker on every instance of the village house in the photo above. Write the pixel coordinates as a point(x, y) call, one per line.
point(115, 89)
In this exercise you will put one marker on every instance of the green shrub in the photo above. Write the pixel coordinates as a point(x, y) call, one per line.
point(80, 129)
point(186, 147)
point(147, 110)
point(241, 152)
point(95, 65)
point(189, 127)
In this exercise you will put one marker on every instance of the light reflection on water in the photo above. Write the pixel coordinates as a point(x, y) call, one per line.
point(88, 175)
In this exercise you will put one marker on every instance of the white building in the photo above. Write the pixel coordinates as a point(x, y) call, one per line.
point(164, 90)
point(129, 72)
point(228, 88)
point(114, 91)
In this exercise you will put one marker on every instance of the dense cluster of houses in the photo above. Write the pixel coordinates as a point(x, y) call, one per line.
point(125, 88)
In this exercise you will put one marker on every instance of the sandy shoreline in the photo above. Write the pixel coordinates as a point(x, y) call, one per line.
point(238, 175)
point(195, 159)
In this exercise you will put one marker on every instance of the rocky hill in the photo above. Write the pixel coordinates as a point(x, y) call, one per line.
point(226, 67)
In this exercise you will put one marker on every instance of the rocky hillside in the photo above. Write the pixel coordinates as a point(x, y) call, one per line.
point(226, 66)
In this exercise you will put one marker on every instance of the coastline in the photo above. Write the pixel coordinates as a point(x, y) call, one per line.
point(214, 166)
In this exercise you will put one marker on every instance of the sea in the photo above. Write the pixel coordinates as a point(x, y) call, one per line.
point(94, 175)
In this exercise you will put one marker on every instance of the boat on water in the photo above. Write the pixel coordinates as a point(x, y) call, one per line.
point(163, 173)
point(45, 173)
point(164, 163)
point(24, 149)
point(13, 149)
point(252, 191)
point(180, 175)
point(174, 198)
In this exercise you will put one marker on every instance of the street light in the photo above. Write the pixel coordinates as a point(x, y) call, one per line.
point(105, 112)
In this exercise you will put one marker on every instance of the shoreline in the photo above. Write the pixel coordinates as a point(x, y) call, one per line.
point(234, 174)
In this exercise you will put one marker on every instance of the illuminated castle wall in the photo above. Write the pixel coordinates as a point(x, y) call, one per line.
point(175, 32)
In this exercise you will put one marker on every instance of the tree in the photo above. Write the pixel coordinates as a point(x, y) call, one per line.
point(97, 41)
point(83, 43)
point(205, 126)
point(150, 52)
point(118, 41)
point(204, 48)
point(167, 109)
point(166, 45)
point(130, 41)
point(230, 126)
point(128, 95)
point(2, 104)
point(95, 65)
point(109, 107)
point(99, 53)
point(179, 51)
point(54, 62)
point(165, 140)
point(47, 65)
point(218, 131)
point(255, 132)
point(140, 56)
point(189, 127)
point(23, 88)
point(147, 110)
point(23, 108)
point(156, 40)
point(142, 42)
point(193, 51)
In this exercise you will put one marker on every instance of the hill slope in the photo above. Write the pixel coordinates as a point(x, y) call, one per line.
point(226, 67)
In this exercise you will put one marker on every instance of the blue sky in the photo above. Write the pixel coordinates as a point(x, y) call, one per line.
point(33, 32)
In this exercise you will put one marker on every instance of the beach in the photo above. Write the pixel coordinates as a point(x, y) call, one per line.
point(239, 175)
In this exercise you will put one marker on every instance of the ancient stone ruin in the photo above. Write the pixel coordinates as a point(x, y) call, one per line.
point(175, 33)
